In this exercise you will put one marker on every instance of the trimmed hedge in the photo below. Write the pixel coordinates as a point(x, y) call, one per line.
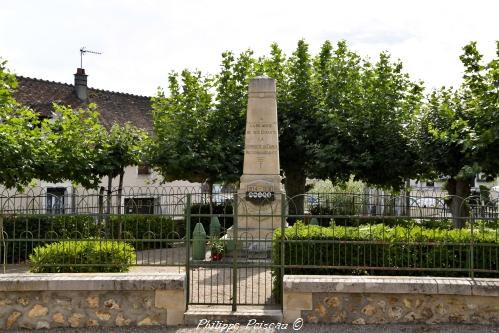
point(386, 250)
point(22, 233)
point(391, 221)
point(82, 256)
point(144, 231)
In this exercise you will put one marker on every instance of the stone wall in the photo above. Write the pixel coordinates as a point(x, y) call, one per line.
point(90, 300)
point(381, 300)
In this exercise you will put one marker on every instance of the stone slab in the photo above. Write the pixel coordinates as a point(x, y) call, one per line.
point(91, 281)
point(171, 299)
point(393, 285)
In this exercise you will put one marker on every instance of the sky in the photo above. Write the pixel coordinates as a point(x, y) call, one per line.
point(142, 41)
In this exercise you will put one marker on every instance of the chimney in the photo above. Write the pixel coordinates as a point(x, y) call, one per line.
point(81, 88)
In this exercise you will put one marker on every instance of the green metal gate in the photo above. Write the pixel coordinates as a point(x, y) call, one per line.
point(244, 274)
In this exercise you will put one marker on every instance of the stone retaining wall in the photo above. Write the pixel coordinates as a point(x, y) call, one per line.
point(87, 300)
point(380, 300)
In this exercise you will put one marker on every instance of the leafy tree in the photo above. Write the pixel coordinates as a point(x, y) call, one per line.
point(459, 130)
point(71, 146)
point(182, 146)
point(120, 146)
point(297, 104)
point(20, 139)
point(227, 120)
point(198, 137)
point(366, 115)
point(335, 113)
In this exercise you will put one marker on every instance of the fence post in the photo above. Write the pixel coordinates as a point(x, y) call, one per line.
point(3, 248)
point(472, 245)
point(236, 252)
point(283, 225)
point(187, 249)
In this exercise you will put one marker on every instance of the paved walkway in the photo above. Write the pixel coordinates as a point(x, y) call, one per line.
point(454, 328)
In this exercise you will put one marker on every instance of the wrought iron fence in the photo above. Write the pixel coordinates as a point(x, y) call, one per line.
point(335, 233)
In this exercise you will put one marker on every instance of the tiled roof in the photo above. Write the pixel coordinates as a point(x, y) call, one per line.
point(113, 106)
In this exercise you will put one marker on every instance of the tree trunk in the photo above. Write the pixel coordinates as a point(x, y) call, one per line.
point(120, 190)
point(120, 194)
point(109, 191)
point(407, 197)
point(210, 194)
point(295, 190)
point(458, 191)
point(107, 220)
point(101, 205)
point(73, 199)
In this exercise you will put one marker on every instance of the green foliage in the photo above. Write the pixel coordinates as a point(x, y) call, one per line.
point(20, 137)
point(441, 251)
point(200, 212)
point(82, 256)
point(143, 231)
point(459, 129)
point(365, 119)
point(26, 232)
point(182, 148)
point(199, 137)
point(228, 118)
point(326, 186)
point(335, 110)
point(217, 246)
point(345, 198)
point(120, 147)
point(72, 146)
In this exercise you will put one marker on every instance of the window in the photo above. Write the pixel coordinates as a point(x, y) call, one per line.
point(430, 183)
point(140, 205)
point(55, 200)
point(144, 169)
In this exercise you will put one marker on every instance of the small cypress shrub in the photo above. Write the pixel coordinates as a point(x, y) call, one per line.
point(216, 209)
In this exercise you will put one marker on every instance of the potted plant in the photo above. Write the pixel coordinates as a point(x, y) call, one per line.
point(217, 249)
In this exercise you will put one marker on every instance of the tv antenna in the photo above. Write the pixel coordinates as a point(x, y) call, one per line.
point(84, 50)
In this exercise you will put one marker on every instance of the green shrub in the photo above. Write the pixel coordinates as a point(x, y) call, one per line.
point(390, 221)
point(25, 232)
point(144, 231)
point(378, 249)
point(82, 256)
point(217, 209)
point(331, 214)
point(22, 233)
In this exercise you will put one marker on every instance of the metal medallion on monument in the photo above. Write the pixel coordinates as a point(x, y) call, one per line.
point(260, 192)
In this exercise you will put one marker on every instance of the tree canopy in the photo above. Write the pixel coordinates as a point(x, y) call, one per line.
point(459, 132)
point(71, 145)
point(20, 139)
point(338, 115)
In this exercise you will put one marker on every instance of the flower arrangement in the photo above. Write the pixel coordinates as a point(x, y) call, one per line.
point(217, 249)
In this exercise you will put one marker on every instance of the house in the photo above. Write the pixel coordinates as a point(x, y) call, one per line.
point(143, 190)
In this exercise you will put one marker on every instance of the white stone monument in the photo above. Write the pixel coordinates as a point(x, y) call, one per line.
point(260, 191)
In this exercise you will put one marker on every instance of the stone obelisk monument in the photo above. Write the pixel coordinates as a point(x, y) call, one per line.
point(260, 191)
